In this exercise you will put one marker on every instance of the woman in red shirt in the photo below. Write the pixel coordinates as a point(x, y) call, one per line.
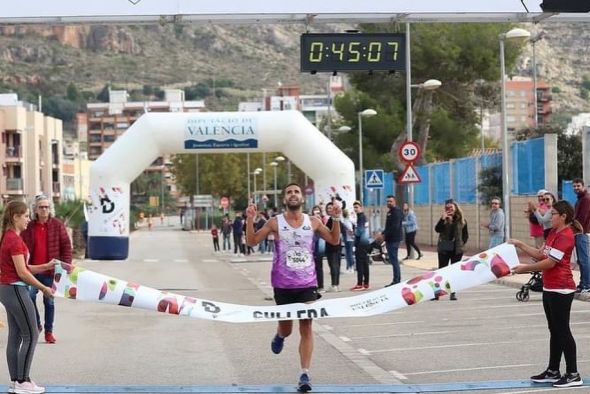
point(15, 278)
point(553, 258)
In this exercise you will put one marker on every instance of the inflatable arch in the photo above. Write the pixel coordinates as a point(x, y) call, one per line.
point(156, 134)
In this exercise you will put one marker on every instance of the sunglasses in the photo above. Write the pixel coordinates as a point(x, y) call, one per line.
point(449, 201)
point(547, 199)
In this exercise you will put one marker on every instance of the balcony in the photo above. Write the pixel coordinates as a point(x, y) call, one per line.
point(14, 153)
point(14, 185)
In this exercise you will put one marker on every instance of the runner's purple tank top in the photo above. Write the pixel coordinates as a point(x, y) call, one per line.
point(293, 266)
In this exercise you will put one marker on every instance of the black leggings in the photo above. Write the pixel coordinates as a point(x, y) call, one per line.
point(362, 264)
point(557, 309)
point(411, 243)
point(333, 256)
point(319, 269)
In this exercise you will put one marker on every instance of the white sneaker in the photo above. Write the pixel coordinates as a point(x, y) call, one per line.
point(11, 387)
point(28, 388)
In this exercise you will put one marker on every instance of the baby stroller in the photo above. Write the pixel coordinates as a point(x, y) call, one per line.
point(378, 252)
point(535, 283)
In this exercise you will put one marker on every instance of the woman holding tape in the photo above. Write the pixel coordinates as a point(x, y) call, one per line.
point(553, 258)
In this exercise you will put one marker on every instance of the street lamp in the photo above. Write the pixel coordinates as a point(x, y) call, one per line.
point(479, 83)
point(429, 84)
point(274, 165)
point(367, 113)
point(511, 35)
point(256, 172)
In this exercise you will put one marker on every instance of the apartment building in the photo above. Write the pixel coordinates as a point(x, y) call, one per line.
point(31, 153)
point(107, 121)
point(520, 103)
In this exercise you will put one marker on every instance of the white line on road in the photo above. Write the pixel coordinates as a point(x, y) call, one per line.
point(210, 261)
point(398, 375)
point(180, 260)
point(344, 339)
point(150, 260)
point(476, 368)
point(410, 334)
point(544, 339)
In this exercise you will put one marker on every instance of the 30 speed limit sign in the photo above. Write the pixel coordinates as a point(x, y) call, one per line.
point(409, 151)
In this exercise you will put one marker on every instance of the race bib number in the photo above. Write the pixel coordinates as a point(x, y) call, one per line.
point(298, 258)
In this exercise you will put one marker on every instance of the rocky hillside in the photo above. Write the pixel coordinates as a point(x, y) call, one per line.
point(563, 59)
point(254, 57)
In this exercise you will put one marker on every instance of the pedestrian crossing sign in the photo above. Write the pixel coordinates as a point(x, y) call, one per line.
point(410, 175)
point(374, 179)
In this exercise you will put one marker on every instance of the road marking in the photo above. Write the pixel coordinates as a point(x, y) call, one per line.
point(364, 351)
point(398, 375)
point(476, 368)
point(344, 339)
point(150, 260)
point(210, 261)
point(410, 334)
point(458, 345)
point(180, 260)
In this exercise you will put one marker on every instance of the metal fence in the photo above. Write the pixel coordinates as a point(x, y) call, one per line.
point(458, 179)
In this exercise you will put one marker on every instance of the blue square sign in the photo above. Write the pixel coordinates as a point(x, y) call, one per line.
point(374, 179)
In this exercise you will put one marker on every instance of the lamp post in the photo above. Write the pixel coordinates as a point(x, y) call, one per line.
point(538, 36)
point(274, 165)
point(512, 34)
point(429, 84)
point(256, 172)
point(367, 113)
point(480, 83)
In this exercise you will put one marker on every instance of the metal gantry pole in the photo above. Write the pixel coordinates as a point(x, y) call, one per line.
point(505, 148)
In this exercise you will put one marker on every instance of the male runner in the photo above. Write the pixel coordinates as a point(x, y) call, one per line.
point(293, 273)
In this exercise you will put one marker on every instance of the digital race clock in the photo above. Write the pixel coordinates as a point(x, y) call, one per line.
point(353, 52)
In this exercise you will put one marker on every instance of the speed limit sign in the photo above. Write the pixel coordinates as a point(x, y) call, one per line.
point(409, 151)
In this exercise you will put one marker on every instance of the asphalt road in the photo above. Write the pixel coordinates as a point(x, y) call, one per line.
point(487, 335)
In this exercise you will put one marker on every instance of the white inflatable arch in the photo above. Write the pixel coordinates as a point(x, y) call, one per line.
point(156, 134)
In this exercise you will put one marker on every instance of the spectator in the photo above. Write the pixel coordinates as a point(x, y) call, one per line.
point(543, 213)
point(319, 250)
point(226, 229)
point(582, 215)
point(452, 237)
point(393, 236)
point(347, 228)
point(333, 253)
point(215, 237)
point(238, 232)
point(47, 239)
point(496, 224)
point(361, 245)
point(558, 293)
point(410, 225)
point(535, 228)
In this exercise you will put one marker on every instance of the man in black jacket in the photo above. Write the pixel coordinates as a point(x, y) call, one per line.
point(393, 236)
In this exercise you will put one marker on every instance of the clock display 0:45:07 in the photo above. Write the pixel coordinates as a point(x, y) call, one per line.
point(349, 52)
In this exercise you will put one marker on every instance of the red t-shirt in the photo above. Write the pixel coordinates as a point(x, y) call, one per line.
point(12, 245)
point(558, 247)
point(215, 233)
point(40, 254)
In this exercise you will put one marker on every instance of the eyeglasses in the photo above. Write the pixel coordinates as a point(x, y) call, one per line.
point(495, 203)
point(547, 199)
point(555, 213)
point(43, 206)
